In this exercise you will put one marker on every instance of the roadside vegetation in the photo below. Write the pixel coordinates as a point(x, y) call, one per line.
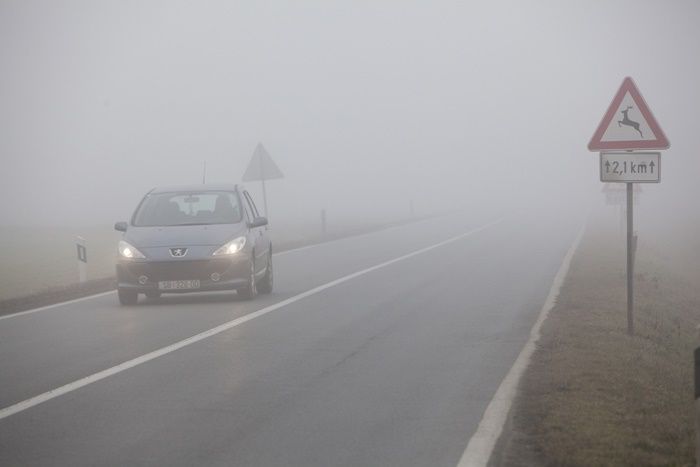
point(593, 395)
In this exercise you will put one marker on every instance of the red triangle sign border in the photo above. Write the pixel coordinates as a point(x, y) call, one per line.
point(596, 143)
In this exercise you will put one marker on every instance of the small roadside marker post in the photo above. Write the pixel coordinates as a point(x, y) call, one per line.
point(629, 126)
point(82, 259)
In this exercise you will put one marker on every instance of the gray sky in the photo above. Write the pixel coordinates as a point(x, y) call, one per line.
point(363, 104)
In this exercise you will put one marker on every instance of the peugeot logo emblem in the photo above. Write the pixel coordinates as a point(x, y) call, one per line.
point(178, 252)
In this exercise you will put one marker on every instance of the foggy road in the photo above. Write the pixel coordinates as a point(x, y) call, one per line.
point(380, 349)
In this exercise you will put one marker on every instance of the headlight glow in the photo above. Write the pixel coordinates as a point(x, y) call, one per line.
point(128, 251)
point(231, 248)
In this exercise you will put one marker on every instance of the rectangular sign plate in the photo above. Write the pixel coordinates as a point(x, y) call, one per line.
point(628, 167)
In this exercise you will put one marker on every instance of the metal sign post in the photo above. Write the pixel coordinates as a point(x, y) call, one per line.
point(629, 125)
point(630, 168)
point(262, 174)
point(630, 259)
point(616, 195)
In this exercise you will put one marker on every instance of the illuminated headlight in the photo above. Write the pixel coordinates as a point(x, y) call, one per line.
point(128, 251)
point(232, 247)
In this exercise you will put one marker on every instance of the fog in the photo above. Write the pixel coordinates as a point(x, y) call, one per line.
point(363, 105)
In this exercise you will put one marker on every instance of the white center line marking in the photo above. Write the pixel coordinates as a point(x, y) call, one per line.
point(41, 398)
point(481, 444)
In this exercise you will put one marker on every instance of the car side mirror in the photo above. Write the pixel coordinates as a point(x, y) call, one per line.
point(258, 222)
point(120, 226)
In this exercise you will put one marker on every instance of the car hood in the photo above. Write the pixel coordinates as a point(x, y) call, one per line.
point(183, 235)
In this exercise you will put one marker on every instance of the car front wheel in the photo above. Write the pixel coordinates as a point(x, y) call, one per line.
point(250, 291)
point(127, 297)
point(266, 283)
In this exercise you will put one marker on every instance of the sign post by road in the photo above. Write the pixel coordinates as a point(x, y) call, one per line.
point(261, 167)
point(628, 125)
point(616, 195)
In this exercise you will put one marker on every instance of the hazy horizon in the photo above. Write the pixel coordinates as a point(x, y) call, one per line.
point(363, 106)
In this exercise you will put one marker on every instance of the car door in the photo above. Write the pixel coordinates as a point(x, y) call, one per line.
point(259, 235)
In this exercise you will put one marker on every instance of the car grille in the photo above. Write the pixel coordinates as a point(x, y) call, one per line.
point(177, 270)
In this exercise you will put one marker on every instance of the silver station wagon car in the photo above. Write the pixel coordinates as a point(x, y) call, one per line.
point(191, 239)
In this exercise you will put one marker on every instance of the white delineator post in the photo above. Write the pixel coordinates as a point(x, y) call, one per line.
point(82, 259)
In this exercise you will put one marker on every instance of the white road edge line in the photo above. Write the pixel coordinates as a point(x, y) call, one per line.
point(54, 305)
point(480, 447)
point(100, 294)
point(52, 394)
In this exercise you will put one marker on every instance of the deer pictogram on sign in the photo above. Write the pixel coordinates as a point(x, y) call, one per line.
point(626, 120)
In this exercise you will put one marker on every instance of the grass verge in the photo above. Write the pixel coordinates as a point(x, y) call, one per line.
point(593, 395)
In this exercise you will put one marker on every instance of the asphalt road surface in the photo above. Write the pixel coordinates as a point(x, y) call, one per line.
point(382, 349)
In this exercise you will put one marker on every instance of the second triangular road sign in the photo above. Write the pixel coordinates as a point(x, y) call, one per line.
point(261, 166)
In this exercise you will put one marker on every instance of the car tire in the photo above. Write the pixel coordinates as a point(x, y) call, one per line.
point(153, 294)
point(265, 285)
point(127, 297)
point(250, 291)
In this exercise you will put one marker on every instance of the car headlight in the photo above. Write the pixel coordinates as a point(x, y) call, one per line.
point(231, 248)
point(128, 251)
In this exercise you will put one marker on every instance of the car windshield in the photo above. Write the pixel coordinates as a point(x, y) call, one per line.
point(193, 208)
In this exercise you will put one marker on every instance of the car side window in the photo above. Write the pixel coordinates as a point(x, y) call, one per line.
point(252, 204)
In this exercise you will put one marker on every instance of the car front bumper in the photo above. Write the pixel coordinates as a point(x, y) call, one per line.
point(144, 275)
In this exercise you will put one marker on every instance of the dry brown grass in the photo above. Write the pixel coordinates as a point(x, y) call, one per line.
point(595, 396)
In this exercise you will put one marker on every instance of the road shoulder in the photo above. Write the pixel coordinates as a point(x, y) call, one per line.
point(593, 395)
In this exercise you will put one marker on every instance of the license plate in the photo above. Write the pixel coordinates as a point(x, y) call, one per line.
point(178, 285)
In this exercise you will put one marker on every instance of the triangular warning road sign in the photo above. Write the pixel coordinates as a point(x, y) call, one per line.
point(628, 124)
point(261, 166)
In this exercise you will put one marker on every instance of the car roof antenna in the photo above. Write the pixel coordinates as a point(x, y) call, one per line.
point(204, 173)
